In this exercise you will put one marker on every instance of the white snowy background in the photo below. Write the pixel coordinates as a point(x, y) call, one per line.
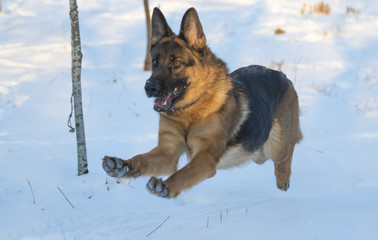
point(333, 60)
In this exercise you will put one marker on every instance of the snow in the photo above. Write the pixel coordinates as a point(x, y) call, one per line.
point(331, 58)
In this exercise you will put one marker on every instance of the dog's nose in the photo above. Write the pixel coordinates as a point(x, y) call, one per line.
point(152, 88)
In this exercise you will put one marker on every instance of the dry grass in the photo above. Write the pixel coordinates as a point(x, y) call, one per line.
point(324, 90)
point(319, 8)
point(279, 31)
point(350, 10)
point(31, 189)
point(322, 8)
point(276, 65)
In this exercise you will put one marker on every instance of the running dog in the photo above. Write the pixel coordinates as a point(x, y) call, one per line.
point(219, 120)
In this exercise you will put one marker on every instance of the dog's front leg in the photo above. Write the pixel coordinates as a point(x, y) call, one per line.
point(206, 145)
point(162, 160)
point(201, 167)
point(159, 161)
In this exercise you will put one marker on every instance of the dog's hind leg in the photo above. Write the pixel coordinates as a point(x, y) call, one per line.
point(281, 152)
point(282, 169)
point(286, 136)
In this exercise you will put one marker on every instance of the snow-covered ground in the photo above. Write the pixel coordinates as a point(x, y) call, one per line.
point(333, 60)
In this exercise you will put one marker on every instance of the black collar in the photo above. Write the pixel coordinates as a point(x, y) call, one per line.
point(173, 109)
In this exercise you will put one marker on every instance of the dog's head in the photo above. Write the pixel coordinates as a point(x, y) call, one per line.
point(174, 58)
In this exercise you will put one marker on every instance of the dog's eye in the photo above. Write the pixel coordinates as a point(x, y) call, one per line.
point(177, 63)
point(154, 62)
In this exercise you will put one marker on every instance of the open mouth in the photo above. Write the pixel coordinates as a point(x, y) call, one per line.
point(165, 102)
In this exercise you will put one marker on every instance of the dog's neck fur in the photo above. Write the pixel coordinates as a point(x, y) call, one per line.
point(212, 99)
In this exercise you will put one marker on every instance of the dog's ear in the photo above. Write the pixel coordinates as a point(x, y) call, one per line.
point(159, 27)
point(191, 30)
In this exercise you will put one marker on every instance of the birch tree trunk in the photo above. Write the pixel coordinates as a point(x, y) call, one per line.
point(147, 62)
point(76, 89)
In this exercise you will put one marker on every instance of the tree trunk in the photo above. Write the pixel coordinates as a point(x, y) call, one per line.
point(147, 62)
point(76, 89)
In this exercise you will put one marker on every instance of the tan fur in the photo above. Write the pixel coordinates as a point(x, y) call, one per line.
point(210, 87)
point(208, 126)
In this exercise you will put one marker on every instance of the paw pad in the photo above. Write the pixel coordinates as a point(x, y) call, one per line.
point(157, 187)
point(115, 167)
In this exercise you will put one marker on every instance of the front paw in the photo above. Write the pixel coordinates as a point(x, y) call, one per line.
point(157, 187)
point(116, 167)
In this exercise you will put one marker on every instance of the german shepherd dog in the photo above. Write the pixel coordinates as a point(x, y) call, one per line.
point(219, 120)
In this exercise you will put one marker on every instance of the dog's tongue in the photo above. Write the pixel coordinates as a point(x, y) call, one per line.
point(163, 103)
